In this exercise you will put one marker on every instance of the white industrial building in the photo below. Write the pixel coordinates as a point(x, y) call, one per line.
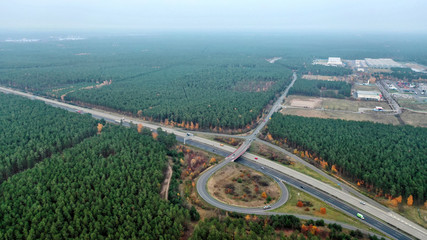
point(382, 63)
point(334, 61)
point(368, 95)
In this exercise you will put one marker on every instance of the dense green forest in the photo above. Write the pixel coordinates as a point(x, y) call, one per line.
point(386, 158)
point(405, 74)
point(272, 227)
point(212, 96)
point(182, 80)
point(30, 131)
point(325, 70)
point(321, 88)
point(216, 80)
point(106, 187)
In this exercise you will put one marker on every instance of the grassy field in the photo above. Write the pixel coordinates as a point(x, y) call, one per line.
point(411, 104)
point(333, 103)
point(266, 151)
point(414, 119)
point(351, 105)
point(332, 214)
point(238, 185)
point(365, 88)
point(379, 118)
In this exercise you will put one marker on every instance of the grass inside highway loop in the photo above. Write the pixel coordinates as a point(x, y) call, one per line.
point(296, 195)
point(297, 166)
point(243, 178)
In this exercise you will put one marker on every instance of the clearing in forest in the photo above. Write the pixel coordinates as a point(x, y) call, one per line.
point(238, 185)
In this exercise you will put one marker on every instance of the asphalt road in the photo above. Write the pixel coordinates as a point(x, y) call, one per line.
point(394, 219)
point(201, 188)
point(343, 186)
point(348, 209)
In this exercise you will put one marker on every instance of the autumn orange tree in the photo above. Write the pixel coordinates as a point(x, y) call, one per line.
point(264, 195)
point(154, 134)
point(323, 210)
point(410, 200)
point(304, 228)
point(139, 128)
point(300, 204)
point(99, 127)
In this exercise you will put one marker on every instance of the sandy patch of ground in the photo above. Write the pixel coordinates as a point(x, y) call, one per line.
point(238, 185)
point(306, 103)
point(272, 60)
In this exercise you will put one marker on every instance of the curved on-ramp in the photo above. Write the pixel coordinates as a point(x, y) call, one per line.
point(204, 193)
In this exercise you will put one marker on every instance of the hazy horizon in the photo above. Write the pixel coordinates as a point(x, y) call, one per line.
point(221, 15)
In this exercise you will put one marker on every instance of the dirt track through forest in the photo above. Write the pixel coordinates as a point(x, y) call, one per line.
point(165, 185)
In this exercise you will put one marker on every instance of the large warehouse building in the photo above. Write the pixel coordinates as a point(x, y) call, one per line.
point(368, 95)
point(382, 63)
point(334, 61)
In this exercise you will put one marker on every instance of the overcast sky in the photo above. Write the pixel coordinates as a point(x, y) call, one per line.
point(321, 15)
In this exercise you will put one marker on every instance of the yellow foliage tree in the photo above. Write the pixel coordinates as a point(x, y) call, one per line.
point(213, 160)
point(193, 162)
point(269, 137)
point(313, 230)
point(99, 127)
point(334, 169)
point(248, 217)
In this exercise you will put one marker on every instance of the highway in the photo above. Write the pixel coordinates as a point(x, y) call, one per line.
point(391, 218)
point(344, 187)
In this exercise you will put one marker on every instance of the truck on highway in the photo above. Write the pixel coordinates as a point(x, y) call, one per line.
point(120, 120)
point(359, 215)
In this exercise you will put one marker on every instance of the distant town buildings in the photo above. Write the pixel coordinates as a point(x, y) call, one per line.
point(331, 61)
point(360, 65)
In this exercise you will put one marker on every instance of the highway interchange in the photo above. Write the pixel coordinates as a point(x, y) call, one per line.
point(337, 198)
